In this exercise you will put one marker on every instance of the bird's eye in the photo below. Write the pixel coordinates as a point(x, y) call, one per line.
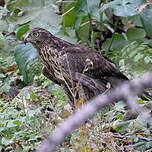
point(36, 34)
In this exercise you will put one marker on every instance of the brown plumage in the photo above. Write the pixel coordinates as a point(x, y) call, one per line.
point(79, 70)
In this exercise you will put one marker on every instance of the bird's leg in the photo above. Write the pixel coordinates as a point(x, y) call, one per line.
point(80, 90)
point(80, 94)
point(70, 98)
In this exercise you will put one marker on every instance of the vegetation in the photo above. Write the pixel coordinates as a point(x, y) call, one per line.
point(31, 106)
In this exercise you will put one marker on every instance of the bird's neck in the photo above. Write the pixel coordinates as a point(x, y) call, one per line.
point(52, 45)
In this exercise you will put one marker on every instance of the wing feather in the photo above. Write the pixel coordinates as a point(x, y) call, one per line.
point(74, 58)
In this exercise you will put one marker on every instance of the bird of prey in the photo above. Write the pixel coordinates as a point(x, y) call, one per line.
point(81, 71)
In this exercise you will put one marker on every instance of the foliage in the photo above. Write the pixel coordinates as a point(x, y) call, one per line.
point(136, 58)
point(22, 120)
point(24, 56)
point(120, 28)
point(124, 8)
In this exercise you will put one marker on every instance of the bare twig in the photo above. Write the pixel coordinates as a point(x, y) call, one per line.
point(68, 11)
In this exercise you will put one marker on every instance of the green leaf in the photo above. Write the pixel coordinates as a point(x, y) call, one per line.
point(37, 13)
point(120, 126)
point(81, 20)
point(117, 42)
point(121, 62)
point(68, 18)
point(80, 9)
point(138, 57)
point(83, 31)
point(3, 25)
point(119, 106)
point(2, 38)
point(87, 7)
point(149, 144)
point(143, 145)
point(94, 9)
point(25, 56)
point(6, 88)
point(146, 19)
point(84, 11)
point(134, 34)
point(33, 67)
point(34, 112)
point(140, 122)
point(22, 30)
point(120, 116)
point(70, 38)
point(148, 59)
point(2, 76)
point(65, 34)
point(140, 145)
point(17, 122)
point(124, 8)
point(11, 124)
point(2, 129)
point(5, 141)
point(33, 95)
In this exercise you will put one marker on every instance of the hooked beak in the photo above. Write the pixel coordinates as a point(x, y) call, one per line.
point(25, 40)
point(25, 36)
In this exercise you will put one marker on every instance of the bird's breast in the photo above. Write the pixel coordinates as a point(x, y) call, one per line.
point(50, 58)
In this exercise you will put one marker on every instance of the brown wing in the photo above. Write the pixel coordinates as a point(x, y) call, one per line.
point(74, 58)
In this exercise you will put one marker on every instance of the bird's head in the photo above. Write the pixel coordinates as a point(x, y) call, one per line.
point(36, 36)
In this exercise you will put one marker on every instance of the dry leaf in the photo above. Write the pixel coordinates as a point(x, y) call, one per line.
point(79, 102)
point(12, 68)
point(65, 114)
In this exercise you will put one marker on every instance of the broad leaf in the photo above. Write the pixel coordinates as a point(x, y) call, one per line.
point(120, 126)
point(94, 9)
point(142, 145)
point(67, 35)
point(69, 16)
point(81, 18)
point(83, 31)
point(117, 42)
point(87, 7)
point(146, 19)
point(5, 141)
point(25, 56)
point(124, 8)
point(21, 30)
point(36, 12)
point(84, 11)
point(134, 34)
point(80, 9)
point(3, 25)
